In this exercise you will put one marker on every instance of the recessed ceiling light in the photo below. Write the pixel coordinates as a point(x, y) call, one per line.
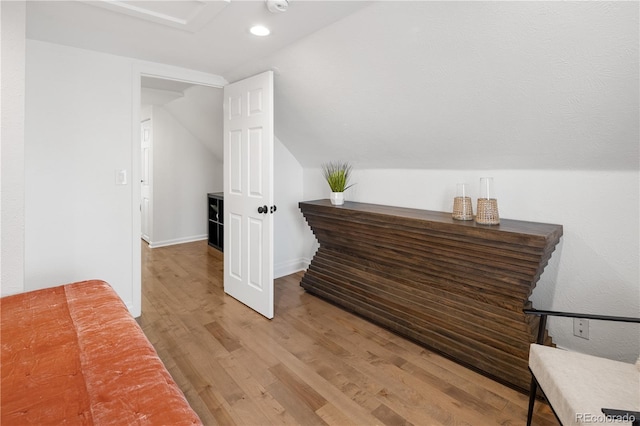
point(260, 30)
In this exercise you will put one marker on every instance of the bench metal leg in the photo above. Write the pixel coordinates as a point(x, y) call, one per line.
point(532, 398)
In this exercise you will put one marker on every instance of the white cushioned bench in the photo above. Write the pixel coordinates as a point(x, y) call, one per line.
point(584, 389)
point(581, 385)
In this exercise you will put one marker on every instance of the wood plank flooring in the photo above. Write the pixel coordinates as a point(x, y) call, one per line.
point(313, 364)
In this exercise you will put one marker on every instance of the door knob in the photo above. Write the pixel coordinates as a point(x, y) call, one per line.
point(273, 208)
point(263, 209)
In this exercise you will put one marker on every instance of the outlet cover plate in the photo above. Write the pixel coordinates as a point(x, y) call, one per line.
point(581, 328)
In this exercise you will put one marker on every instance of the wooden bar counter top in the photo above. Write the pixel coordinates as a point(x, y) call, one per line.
point(453, 286)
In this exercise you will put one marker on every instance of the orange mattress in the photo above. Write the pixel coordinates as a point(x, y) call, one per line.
point(73, 354)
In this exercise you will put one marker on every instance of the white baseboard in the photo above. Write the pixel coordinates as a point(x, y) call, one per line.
point(290, 267)
point(280, 270)
point(175, 241)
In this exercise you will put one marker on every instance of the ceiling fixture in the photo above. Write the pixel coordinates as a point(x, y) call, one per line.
point(276, 6)
point(260, 30)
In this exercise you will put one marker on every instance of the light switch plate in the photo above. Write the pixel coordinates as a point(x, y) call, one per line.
point(121, 177)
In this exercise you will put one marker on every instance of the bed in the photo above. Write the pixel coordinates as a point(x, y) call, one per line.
point(73, 354)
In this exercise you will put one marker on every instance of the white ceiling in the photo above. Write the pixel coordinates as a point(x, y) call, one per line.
point(200, 111)
point(197, 108)
point(209, 36)
point(466, 85)
point(411, 84)
point(215, 36)
point(186, 15)
point(159, 91)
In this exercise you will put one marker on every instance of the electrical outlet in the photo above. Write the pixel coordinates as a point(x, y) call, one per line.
point(581, 328)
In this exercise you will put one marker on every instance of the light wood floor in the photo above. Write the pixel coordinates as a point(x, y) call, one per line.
point(312, 364)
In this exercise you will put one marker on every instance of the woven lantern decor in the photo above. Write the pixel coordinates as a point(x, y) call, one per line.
point(487, 211)
point(462, 206)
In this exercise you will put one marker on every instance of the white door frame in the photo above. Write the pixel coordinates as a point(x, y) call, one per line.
point(146, 185)
point(150, 69)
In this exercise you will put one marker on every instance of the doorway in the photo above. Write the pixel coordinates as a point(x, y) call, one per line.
point(181, 159)
point(140, 70)
point(255, 107)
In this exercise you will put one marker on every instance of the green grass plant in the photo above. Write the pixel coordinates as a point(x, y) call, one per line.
point(337, 175)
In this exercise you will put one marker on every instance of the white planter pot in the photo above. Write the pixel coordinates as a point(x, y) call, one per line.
point(337, 198)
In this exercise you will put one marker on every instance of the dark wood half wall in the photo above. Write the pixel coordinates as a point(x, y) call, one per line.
point(454, 286)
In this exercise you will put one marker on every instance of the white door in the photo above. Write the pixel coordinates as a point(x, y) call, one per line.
point(248, 192)
point(145, 180)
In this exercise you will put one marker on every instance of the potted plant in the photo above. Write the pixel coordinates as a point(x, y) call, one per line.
point(337, 175)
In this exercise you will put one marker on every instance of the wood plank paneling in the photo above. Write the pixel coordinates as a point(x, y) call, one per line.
point(453, 286)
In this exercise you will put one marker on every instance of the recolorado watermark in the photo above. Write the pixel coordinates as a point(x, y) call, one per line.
point(605, 418)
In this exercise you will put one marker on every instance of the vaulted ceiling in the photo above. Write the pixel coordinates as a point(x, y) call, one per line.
point(409, 84)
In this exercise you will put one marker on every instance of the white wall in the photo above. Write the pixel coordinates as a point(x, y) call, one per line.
point(184, 171)
point(77, 135)
point(289, 225)
point(595, 268)
point(12, 220)
point(81, 127)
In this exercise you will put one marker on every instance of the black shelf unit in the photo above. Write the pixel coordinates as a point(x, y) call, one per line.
point(216, 217)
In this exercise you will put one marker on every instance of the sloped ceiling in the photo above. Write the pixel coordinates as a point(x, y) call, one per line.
point(197, 108)
point(480, 85)
point(200, 111)
point(413, 84)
